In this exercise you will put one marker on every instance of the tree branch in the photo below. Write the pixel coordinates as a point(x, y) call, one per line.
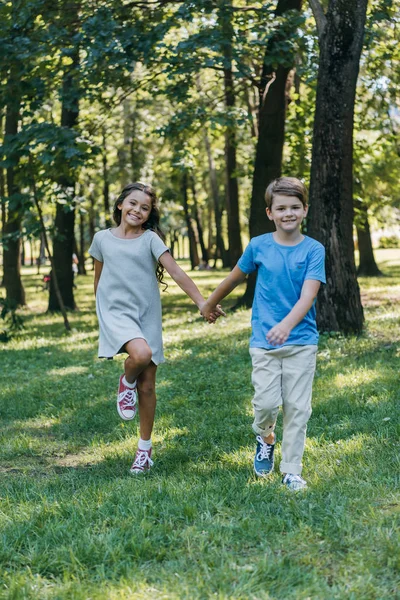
point(319, 16)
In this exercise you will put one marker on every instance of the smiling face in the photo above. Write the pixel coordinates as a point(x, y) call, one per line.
point(287, 212)
point(135, 209)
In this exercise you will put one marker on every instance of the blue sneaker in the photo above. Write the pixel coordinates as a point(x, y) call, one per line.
point(264, 458)
point(294, 482)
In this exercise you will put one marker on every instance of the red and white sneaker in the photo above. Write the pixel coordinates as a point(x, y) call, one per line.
point(126, 401)
point(142, 462)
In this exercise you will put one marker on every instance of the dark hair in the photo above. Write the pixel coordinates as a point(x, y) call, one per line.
point(152, 223)
point(286, 186)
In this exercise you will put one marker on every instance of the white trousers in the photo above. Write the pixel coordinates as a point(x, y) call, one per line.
point(284, 377)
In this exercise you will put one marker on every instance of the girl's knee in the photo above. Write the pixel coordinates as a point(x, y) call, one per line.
point(140, 356)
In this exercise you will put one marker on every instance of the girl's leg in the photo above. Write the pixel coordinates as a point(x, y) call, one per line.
point(139, 357)
point(146, 387)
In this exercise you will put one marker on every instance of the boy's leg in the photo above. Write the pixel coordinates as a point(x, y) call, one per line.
point(298, 368)
point(266, 378)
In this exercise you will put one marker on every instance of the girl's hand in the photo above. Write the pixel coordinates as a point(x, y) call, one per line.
point(211, 313)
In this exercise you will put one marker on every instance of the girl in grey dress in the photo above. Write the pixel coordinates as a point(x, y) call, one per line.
point(129, 262)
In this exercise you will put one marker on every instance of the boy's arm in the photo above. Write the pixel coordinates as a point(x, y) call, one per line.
point(280, 332)
point(98, 267)
point(187, 285)
point(235, 277)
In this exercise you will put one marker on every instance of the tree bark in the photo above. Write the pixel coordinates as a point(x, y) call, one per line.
point(271, 137)
point(15, 292)
point(63, 243)
point(367, 266)
point(194, 255)
point(331, 193)
point(106, 182)
point(219, 241)
point(232, 189)
point(197, 217)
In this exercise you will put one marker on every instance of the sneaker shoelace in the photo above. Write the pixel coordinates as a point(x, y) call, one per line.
point(142, 459)
point(127, 398)
point(265, 450)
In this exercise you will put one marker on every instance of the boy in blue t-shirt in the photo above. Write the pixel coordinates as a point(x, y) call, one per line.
point(283, 345)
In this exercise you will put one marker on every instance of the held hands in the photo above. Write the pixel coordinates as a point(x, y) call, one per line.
point(211, 313)
point(278, 334)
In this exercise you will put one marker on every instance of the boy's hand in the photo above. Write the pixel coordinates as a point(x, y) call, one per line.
point(211, 313)
point(278, 334)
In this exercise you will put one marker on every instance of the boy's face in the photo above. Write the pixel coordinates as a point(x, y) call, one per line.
point(287, 212)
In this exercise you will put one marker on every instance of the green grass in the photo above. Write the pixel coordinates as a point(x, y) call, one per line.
point(75, 525)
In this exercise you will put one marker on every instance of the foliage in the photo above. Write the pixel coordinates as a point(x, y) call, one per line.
point(13, 321)
point(76, 525)
point(390, 241)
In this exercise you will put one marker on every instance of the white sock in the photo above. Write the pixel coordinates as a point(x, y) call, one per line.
point(144, 444)
point(129, 385)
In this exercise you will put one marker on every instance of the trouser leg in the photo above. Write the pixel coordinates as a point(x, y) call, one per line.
point(267, 381)
point(298, 369)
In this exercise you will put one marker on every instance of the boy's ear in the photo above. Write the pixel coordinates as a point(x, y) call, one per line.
point(306, 210)
point(267, 210)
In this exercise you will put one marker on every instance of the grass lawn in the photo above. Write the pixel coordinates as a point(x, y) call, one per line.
point(75, 525)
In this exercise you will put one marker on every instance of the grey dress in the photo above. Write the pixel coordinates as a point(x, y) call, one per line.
point(128, 303)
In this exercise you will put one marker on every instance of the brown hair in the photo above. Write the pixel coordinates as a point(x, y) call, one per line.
point(286, 186)
point(153, 222)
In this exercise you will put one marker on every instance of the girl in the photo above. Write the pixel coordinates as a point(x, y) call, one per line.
point(129, 261)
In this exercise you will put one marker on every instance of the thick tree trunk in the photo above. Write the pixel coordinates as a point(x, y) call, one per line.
point(367, 266)
point(2, 201)
point(15, 292)
point(63, 243)
point(232, 189)
point(193, 252)
point(331, 193)
point(271, 136)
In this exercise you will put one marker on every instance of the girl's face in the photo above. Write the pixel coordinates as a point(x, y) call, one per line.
point(135, 209)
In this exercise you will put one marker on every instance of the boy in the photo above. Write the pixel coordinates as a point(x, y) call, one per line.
point(283, 345)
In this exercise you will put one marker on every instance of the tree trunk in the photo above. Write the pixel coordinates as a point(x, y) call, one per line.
point(197, 217)
point(63, 243)
point(3, 202)
point(106, 183)
point(367, 266)
point(271, 136)
point(232, 190)
point(15, 292)
point(194, 255)
point(219, 241)
point(331, 193)
point(81, 255)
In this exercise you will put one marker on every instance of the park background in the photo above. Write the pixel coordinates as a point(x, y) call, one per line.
point(207, 100)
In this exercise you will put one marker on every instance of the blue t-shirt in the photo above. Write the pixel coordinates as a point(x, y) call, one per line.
point(281, 272)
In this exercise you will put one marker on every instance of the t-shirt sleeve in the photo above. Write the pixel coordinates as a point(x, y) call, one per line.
point(157, 246)
point(316, 264)
point(246, 261)
point(95, 248)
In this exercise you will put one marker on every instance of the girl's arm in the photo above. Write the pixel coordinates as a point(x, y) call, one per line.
point(235, 277)
point(98, 267)
point(186, 284)
point(280, 333)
